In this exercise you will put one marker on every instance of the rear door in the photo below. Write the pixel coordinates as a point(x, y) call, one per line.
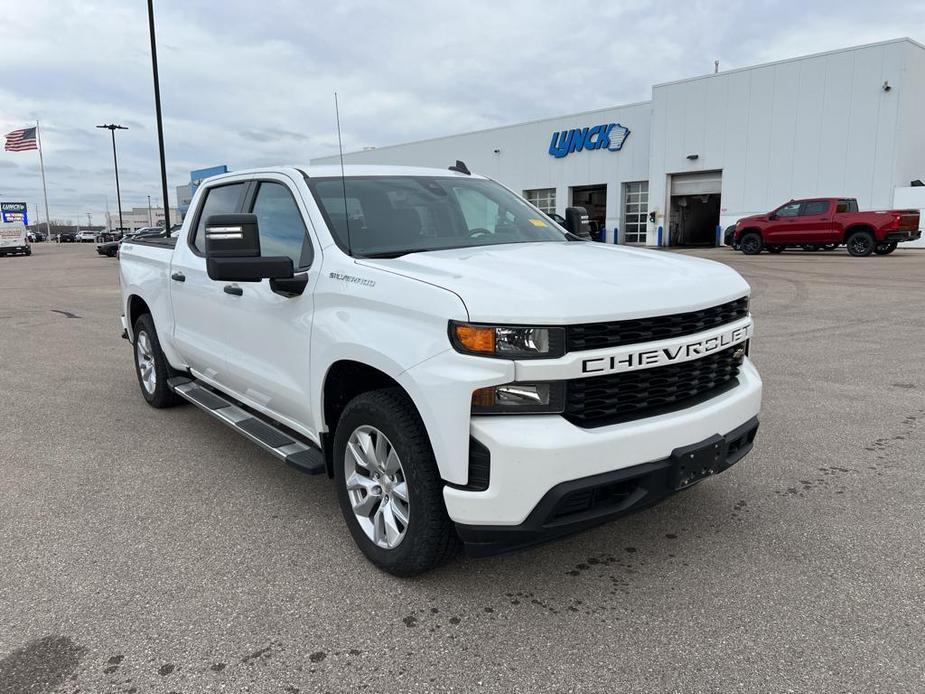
point(267, 335)
point(199, 304)
point(816, 222)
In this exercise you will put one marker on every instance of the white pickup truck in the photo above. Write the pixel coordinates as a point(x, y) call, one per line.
point(463, 367)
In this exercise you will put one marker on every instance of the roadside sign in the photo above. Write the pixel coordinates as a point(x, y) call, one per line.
point(14, 212)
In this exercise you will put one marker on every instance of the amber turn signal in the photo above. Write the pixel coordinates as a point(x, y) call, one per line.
point(476, 338)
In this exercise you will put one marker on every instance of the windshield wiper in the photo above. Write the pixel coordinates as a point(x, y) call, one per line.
point(398, 254)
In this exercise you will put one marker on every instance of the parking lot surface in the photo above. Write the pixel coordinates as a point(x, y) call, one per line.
point(156, 551)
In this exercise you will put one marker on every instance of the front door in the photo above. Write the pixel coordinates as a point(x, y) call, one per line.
point(783, 224)
point(199, 303)
point(268, 338)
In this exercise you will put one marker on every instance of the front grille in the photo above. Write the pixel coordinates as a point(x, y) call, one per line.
point(629, 332)
point(601, 400)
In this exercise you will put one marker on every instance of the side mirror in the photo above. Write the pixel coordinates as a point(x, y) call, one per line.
point(233, 251)
point(577, 222)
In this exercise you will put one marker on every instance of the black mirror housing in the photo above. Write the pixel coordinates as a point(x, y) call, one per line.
point(249, 269)
point(232, 236)
point(577, 222)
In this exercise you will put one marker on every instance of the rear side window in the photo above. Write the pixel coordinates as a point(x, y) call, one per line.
point(282, 230)
point(847, 205)
point(219, 200)
point(815, 208)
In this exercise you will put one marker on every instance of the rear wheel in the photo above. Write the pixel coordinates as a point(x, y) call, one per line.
point(751, 243)
point(388, 486)
point(151, 365)
point(861, 244)
point(885, 248)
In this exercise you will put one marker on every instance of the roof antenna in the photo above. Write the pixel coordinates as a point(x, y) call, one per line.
point(343, 179)
point(461, 168)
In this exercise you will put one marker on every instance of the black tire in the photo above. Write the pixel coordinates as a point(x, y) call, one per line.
point(861, 244)
point(429, 536)
point(751, 243)
point(111, 252)
point(160, 395)
point(775, 249)
point(885, 248)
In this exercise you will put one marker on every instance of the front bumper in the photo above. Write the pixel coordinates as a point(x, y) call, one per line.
point(532, 454)
point(578, 504)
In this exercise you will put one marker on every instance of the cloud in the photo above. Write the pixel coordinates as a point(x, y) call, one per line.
point(252, 84)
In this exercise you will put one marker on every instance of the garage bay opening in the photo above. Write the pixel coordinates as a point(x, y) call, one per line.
point(594, 200)
point(695, 208)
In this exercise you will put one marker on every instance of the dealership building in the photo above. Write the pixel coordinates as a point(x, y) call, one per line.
point(702, 152)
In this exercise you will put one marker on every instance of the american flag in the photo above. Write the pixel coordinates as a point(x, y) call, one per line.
point(21, 140)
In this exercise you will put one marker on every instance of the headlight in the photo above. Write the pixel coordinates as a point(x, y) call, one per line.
point(510, 342)
point(520, 398)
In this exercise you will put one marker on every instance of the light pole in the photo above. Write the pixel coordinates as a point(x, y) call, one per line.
point(150, 222)
point(157, 110)
point(112, 127)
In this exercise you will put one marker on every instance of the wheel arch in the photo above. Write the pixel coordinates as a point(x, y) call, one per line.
point(135, 307)
point(344, 380)
point(858, 227)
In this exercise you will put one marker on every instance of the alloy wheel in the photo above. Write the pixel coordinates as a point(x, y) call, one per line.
point(144, 356)
point(376, 486)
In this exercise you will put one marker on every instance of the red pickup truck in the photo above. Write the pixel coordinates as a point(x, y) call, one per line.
point(826, 223)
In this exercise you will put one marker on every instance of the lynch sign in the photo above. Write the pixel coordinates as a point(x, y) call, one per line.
point(609, 136)
point(13, 212)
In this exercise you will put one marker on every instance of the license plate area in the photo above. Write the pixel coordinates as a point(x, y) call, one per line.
point(693, 463)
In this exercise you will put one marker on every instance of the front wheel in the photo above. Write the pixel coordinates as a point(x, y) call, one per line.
point(751, 243)
point(861, 244)
point(885, 248)
point(388, 485)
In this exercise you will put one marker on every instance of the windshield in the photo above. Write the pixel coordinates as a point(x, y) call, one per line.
point(389, 216)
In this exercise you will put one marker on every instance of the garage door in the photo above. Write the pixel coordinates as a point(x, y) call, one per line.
point(700, 183)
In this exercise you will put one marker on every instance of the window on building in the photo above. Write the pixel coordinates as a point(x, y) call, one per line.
point(282, 231)
point(543, 198)
point(814, 208)
point(635, 211)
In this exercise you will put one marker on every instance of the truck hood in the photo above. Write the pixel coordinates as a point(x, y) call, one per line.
point(560, 283)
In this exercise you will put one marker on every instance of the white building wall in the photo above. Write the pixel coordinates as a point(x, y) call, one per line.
point(820, 125)
point(524, 162)
point(811, 126)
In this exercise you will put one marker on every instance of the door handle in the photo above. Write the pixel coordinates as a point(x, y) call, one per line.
point(178, 277)
point(233, 289)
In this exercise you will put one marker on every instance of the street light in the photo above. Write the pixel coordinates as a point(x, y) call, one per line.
point(157, 111)
point(112, 127)
point(150, 221)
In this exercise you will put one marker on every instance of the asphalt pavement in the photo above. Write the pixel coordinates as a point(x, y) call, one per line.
point(151, 550)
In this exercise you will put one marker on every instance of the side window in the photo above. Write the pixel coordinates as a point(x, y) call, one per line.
point(219, 200)
point(814, 208)
point(282, 230)
point(790, 210)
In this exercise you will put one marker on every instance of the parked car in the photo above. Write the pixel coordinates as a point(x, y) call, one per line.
point(67, 237)
point(826, 223)
point(86, 236)
point(435, 352)
point(108, 248)
point(36, 236)
point(14, 239)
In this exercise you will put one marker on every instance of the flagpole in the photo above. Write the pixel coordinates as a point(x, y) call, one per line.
point(38, 134)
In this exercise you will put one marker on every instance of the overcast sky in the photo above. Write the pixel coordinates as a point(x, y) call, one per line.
point(251, 83)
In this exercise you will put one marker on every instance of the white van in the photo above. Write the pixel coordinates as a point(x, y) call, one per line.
point(13, 239)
